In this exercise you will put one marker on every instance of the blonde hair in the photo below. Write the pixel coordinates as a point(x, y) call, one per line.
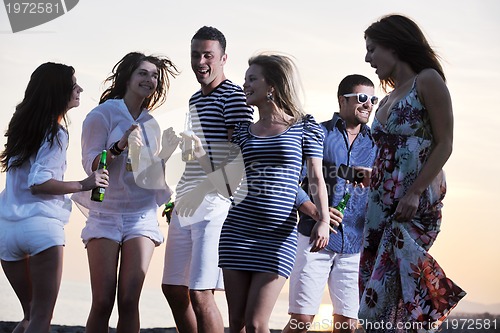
point(282, 74)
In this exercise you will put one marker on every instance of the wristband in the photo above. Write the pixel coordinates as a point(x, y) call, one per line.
point(115, 150)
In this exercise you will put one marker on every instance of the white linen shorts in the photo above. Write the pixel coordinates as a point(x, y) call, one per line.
point(312, 271)
point(192, 248)
point(120, 228)
point(19, 239)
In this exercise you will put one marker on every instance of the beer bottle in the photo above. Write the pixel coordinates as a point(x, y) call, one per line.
point(342, 205)
point(169, 209)
point(131, 153)
point(187, 145)
point(98, 192)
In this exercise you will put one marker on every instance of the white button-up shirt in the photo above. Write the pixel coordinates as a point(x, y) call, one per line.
point(17, 201)
point(128, 192)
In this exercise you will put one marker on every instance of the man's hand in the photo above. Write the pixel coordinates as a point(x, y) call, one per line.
point(335, 218)
point(367, 174)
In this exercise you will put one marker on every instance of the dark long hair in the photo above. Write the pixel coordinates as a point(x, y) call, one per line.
point(399, 33)
point(123, 70)
point(38, 116)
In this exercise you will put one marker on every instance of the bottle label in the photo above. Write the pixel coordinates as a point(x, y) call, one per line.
point(128, 166)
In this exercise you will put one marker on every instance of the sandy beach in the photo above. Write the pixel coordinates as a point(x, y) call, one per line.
point(8, 326)
point(459, 323)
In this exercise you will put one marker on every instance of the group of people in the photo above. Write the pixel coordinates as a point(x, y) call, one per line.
point(234, 225)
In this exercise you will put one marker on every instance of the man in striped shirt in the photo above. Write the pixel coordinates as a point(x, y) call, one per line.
point(191, 272)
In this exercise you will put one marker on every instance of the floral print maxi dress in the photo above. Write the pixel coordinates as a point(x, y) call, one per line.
point(403, 288)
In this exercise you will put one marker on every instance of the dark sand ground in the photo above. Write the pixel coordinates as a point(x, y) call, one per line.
point(8, 326)
point(457, 323)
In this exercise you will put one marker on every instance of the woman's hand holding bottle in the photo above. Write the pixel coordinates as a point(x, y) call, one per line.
point(98, 178)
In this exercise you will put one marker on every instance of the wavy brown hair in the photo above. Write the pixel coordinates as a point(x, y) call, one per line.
point(123, 70)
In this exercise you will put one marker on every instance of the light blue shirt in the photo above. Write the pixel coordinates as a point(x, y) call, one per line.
point(336, 151)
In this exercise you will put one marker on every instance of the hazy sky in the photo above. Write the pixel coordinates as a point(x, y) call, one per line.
point(326, 38)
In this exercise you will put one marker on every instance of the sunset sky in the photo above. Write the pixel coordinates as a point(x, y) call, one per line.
point(326, 38)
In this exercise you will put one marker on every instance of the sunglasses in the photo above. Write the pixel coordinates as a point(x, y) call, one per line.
point(363, 98)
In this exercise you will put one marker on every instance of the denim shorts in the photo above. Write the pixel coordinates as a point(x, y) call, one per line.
point(122, 227)
point(29, 237)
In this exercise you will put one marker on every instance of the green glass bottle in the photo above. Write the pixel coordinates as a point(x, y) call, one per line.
point(342, 205)
point(167, 212)
point(98, 192)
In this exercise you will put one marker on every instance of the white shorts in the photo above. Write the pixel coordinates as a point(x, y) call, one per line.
point(120, 228)
point(29, 237)
point(311, 273)
point(192, 248)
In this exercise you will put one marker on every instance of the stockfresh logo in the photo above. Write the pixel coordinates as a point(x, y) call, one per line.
point(28, 14)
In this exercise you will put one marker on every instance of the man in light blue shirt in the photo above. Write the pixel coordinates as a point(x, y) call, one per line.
point(347, 141)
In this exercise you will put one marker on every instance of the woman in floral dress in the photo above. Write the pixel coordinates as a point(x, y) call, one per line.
point(403, 288)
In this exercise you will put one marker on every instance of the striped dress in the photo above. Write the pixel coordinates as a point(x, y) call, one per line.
point(260, 232)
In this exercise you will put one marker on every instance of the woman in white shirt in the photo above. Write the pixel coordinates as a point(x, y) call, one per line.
point(34, 203)
point(122, 231)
